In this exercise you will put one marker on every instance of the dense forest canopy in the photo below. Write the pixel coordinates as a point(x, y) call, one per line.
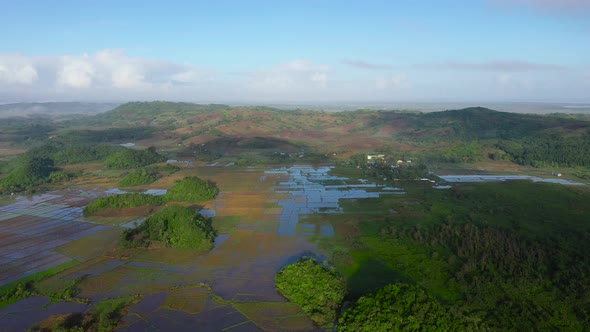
point(175, 227)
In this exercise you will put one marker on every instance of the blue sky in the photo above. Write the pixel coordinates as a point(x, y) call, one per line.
point(296, 51)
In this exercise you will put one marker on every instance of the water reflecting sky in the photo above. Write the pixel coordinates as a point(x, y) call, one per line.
point(312, 190)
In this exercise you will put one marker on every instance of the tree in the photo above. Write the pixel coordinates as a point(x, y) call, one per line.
point(318, 289)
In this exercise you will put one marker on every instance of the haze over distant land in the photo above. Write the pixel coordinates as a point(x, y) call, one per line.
point(304, 52)
point(53, 109)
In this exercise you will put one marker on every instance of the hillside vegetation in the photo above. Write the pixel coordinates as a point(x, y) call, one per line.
point(483, 252)
point(173, 226)
point(448, 136)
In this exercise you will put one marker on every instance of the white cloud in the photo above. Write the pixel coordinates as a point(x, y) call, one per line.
point(365, 65)
point(113, 75)
point(392, 82)
point(298, 75)
point(127, 76)
point(500, 65)
point(17, 71)
point(320, 78)
point(76, 72)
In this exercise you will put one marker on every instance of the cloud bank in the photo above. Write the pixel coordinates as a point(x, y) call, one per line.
point(365, 65)
point(113, 75)
point(503, 66)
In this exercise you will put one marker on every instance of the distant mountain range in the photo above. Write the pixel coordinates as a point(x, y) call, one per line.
point(54, 108)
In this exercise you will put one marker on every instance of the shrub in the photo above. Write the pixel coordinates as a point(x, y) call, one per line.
point(122, 201)
point(27, 172)
point(318, 289)
point(128, 158)
point(84, 153)
point(192, 189)
point(138, 177)
point(402, 307)
point(173, 226)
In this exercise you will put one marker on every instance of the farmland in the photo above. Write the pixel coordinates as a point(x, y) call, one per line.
point(279, 185)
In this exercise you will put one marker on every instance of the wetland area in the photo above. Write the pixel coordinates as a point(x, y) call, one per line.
point(266, 220)
point(244, 219)
point(262, 216)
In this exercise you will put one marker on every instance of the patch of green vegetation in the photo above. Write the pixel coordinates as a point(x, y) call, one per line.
point(226, 224)
point(490, 249)
point(548, 150)
point(27, 172)
point(147, 175)
point(122, 201)
point(404, 307)
point(6, 201)
point(413, 262)
point(129, 158)
point(317, 288)
point(103, 135)
point(104, 317)
point(157, 112)
point(84, 153)
point(192, 189)
point(174, 227)
point(29, 286)
point(138, 177)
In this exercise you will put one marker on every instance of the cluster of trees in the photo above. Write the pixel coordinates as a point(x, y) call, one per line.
point(460, 153)
point(403, 307)
point(138, 177)
point(105, 316)
point(174, 227)
point(26, 172)
point(147, 175)
point(384, 170)
point(192, 189)
point(106, 135)
point(129, 158)
point(548, 287)
point(504, 252)
point(39, 164)
point(320, 291)
point(120, 201)
point(317, 288)
point(73, 153)
point(77, 154)
point(549, 151)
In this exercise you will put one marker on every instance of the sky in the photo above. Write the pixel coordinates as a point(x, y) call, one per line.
point(303, 51)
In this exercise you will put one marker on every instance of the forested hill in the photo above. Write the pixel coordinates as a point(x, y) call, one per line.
point(151, 113)
point(52, 109)
point(483, 123)
point(448, 136)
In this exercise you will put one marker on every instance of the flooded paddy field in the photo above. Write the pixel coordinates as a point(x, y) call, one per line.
point(265, 220)
point(500, 178)
point(32, 228)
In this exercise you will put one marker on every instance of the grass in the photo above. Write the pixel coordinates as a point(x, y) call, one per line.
point(91, 246)
point(226, 224)
point(105, 316)
point(27, 286)
point(276, 316)
point(190, 299)
point(6, 201)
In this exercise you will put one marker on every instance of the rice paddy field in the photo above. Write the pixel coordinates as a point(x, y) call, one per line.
point(266, 218)
point(259, 216)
